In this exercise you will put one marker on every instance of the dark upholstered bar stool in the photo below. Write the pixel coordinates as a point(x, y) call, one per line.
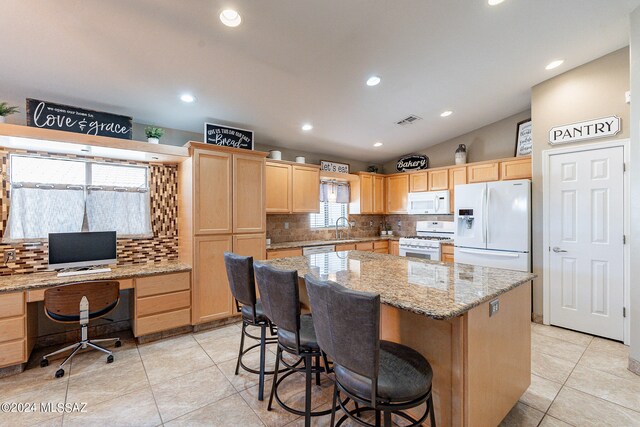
point(296, 335)
point(383, 376)
point(243, 289)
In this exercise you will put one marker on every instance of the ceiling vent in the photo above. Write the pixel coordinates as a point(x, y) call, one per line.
point(408, 120)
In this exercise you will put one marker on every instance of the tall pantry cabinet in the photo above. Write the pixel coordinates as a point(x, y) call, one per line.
point(221, 208)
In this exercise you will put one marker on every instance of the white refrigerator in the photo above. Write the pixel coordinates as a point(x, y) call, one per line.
point(493, 224)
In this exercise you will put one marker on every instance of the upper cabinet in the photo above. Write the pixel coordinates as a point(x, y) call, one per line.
point(292, 187)
point(516, 169)
point(368, 194)
point(483, 172)
point(213, 192)
point(279, 190)
point(397, 192)
point(419, 181)
point(306, 189)
point(248, 194)
point(439, 180)
point(457, 176)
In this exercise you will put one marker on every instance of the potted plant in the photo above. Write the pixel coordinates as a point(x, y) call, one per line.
point(6, 110)
point(153, 134)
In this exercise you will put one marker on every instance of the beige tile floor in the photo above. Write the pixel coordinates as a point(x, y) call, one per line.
point(576, 380)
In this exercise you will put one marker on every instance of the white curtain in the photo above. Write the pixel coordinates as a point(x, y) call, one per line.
point(337, 192)
point(36, 212)
point(127, 212)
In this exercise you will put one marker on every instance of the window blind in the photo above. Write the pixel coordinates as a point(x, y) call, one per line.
point(329, 214)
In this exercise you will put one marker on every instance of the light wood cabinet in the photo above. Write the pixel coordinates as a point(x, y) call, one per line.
point(162, 302)
point(13, 329)
point(283, 253)
point(346, 247)
point(457, 176)
point(394, 248)
point(516, 169)
point(439, 180)
point(379, 194)
point(366, 194)
point(278, 192)
point(306, 189)
point(419, 181)
point(483, 172)
point(214, 189)
point(248, 194)
point(447, 253)
point(364, 246)
point(253, 245)
point(211, 293)
point(381, 247)
point(397, 192)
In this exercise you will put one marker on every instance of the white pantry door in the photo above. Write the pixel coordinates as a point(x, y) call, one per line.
point(586, 241)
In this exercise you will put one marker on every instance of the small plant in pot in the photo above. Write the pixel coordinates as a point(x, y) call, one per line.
point(153, 134)
point(6, 110)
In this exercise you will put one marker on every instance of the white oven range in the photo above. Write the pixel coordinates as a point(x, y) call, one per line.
point(426, 243)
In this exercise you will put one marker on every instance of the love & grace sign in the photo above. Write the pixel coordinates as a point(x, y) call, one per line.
point(591, 129)
point(227, 136)
point(47, 115)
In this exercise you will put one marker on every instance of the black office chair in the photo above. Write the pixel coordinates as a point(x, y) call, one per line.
point(296, 335)
point(385, 377)
point(243, 288)
point(81, 302)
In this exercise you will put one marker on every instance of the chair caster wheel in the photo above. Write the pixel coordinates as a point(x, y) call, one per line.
point(60, 373)
point(118, 343)
point(110, 358)
point(44, 363)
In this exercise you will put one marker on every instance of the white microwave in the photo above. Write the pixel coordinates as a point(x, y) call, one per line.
point(429, 202)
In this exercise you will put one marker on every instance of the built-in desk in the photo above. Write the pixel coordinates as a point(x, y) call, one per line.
point(162, 301)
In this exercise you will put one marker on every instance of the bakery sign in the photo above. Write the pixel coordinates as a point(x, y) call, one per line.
point(412, 162)
point(591, 129)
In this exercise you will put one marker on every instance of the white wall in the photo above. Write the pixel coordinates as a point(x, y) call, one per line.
point(634, 171)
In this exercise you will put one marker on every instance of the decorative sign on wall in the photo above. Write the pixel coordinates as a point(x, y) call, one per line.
point(47, 115)
point(591, 129)
point(328, 166)
point(524, 141)
point(228, 137)
point(412, 162)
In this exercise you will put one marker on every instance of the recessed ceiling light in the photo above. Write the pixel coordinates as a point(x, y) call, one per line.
point(230, 18)
point(188, 98)
point(494, 2)
point(446, 113)
point(307, 127)
point(373, 81)
point(554, 64)
point(378, 144)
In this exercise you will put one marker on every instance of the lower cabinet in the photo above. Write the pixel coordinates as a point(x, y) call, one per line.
point(162, 302)
point(13, 327)
point(283, 253)
point(447, 253)
point(346, 247)
point(211, 293)
point(364, 246)
point(381, 247)
point(394, 248)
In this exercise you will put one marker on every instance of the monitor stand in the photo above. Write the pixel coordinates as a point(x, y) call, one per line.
point(82, 271)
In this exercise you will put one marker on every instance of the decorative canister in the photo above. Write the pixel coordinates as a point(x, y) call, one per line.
point(461, 154)
point(300, 159)
point(275, 155)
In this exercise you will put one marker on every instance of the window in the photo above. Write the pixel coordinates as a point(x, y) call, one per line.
point(59, 195)
point(329, 214)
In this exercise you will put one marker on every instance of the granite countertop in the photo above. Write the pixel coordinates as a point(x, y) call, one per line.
point(434, 289)
point(23, 282)
point(309, 243)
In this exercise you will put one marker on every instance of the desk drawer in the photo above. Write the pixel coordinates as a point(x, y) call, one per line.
point(161, 303)
point(161, 322)
point(11, 304)
point(12, 329)
point(12, 353)
point(163, 284)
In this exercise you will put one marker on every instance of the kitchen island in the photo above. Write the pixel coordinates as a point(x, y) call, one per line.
point(481, 360)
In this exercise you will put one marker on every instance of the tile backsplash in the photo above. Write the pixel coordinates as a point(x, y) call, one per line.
point(295, 227)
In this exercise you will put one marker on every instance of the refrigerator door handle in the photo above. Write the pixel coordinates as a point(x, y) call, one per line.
point(484, 215)
point(499, 254)
point(487, 213)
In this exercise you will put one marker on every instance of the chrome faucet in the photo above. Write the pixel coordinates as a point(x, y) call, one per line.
point(339, 233)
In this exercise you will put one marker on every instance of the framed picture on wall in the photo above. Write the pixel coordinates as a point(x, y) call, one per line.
point(523, 138)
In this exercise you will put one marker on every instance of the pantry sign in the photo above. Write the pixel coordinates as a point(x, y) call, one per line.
point(591, 129)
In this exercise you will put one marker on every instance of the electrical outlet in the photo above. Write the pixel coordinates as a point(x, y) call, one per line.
point(399, 223)
point(9, 255)
point(286, 225)
point(494, 307)
point(370, 223)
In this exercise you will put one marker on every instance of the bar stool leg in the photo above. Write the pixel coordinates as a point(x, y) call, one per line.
point(275, 378)
point(317, 370)
point(432, 412)
point(333, 405)
point(244, 325)
point(263, 337)
point(307, 393)
point(387, 419)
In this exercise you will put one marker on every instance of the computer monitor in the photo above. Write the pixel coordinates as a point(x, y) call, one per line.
point(88, 249)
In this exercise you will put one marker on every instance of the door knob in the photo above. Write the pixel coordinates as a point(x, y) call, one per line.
point(558, 250)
